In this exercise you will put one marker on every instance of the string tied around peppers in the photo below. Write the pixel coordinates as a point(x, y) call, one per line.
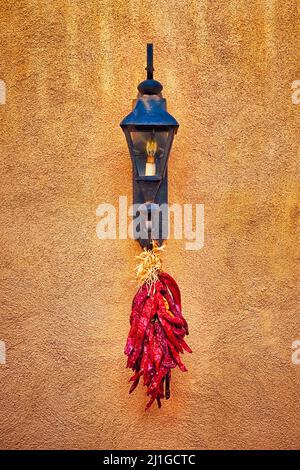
point(157, 328)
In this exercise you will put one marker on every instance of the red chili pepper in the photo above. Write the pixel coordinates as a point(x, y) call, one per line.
point(184, 345)
point(167, 292)
point(154, 387)
point(149, 369)
point(173, 286)
point(168, 380)
point(141, 328)
point(157, 348)
point(134, 385)
point(176, 356)
point(169, 333)
point(167, 360)
point(137, 308)
point(163, 311)
point(155, 338)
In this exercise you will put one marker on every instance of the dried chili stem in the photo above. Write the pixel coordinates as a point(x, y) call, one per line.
point(149, 267)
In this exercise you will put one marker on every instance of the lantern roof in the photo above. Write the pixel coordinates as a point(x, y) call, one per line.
point(150, 108)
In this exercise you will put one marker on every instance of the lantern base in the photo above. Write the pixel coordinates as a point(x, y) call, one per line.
point(150, 195)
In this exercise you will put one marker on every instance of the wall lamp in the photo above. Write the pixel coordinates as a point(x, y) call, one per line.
point(149, 130)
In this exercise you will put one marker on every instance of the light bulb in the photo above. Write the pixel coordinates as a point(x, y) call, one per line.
point(151, 147)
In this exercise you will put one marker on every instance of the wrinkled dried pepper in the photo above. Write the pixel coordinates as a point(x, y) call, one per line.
point(157, 329)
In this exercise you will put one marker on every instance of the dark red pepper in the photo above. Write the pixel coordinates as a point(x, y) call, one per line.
point(155, 338)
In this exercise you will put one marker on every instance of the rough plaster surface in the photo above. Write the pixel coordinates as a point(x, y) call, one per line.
point(71, 69)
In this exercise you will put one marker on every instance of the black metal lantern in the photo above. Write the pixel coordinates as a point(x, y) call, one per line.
point(149, 131)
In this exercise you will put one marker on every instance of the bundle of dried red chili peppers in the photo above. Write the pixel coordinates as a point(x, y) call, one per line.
point(157, 329)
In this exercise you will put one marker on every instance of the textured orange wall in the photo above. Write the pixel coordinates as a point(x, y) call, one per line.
point(71, 69)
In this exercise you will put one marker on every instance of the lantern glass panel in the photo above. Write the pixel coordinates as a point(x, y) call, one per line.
point(149, 151)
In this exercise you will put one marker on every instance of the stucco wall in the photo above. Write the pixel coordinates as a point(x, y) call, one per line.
point(71, 69)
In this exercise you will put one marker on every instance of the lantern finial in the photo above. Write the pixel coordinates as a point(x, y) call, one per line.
point(149, 67)
point(150, 86)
